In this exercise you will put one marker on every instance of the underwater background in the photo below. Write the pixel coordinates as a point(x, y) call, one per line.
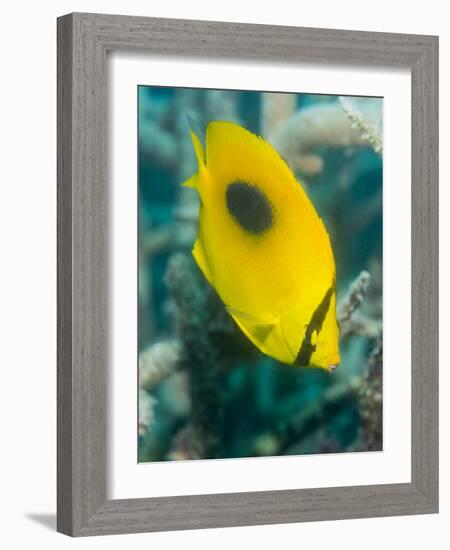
point(204, 390)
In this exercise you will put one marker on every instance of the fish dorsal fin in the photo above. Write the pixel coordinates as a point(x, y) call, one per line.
point(201, 161)
point(258, 328)
point(198, 148)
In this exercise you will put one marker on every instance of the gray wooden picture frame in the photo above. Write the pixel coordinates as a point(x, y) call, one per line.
point(83, 42)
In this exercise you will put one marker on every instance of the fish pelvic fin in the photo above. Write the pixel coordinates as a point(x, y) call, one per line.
point(256, 329)
point(265, 334)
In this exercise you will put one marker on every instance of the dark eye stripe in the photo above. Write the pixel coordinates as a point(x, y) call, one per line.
point(316, 323)
point(249, 207)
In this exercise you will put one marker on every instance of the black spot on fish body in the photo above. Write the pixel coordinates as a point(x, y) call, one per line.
point(249, 207)
point(315, 324)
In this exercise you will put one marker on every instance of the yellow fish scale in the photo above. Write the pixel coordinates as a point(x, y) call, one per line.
point(273, 278)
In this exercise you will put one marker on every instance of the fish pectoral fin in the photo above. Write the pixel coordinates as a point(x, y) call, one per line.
point(258, 328)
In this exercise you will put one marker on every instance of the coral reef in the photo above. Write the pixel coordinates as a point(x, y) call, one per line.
point(352, 322)
point(196, 309)
point(198, 351)
point(365, 114)
point(370, 401)
point(204, 390)
point(348, 122)
point(276, 111)
point(158, 362)
point(146, 411)
point(164, 142)
point(309, 127)
point(354, 298)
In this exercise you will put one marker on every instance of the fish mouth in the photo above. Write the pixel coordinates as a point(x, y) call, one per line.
point(332, 368)
point(328, 367)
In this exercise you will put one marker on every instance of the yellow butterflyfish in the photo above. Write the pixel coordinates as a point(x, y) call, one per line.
point(264, 249)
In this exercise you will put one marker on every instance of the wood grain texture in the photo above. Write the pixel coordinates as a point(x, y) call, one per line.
point(64, 299)
point(424, 279)
point(83, 319)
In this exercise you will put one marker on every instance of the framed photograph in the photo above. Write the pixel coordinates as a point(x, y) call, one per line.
point(247, 274)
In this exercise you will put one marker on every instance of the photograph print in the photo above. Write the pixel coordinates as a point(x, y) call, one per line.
point(259, 274)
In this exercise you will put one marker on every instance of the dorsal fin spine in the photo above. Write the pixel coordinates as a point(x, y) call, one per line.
point(199, 153)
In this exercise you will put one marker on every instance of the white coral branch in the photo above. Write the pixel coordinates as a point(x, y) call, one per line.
point(322, 124)
point(366, 116)
point(353, 322)
point(276, 110)
point(355, 297)
point(146, 411)
point(158, 362)
point(360, 325)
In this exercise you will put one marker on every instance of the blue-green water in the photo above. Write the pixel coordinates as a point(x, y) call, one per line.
point(226, 399)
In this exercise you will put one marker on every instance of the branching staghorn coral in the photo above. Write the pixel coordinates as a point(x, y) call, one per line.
point(276, 110)
point(157, 143)
point(370, 401)
point(350, 320)
point(365, 388)
point(197, 306)
point(361, 325)
point(323, 124)
point(164, 141)
point(158, 362)
point(310, 418)
point(199, 435)
point(365, 114)
point(196, 350)
point(368, 387)
point(146, 411)
point(354, 298)
point(344, 123)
